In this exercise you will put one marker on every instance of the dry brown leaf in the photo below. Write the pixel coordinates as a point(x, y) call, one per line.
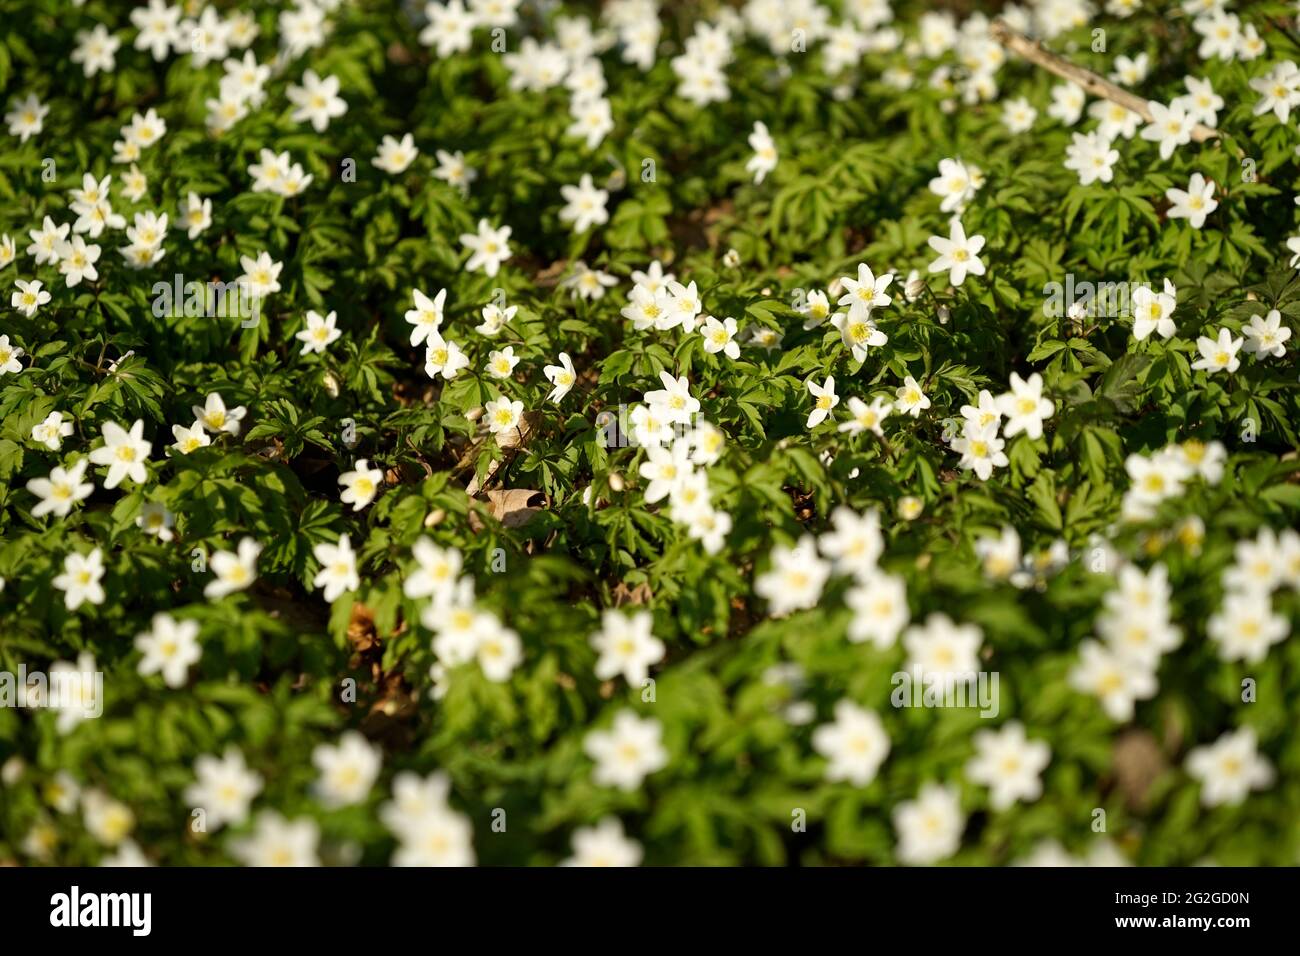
point(513, 507)
point(641, 594)
point(361, 629)
point(1138, 761)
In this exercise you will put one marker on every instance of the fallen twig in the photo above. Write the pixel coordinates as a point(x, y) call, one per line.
point(1091, 83)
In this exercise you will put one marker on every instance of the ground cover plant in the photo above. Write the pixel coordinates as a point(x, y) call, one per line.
point(700, 433)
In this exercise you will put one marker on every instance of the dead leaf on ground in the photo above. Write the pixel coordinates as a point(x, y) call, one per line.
point(513, 507)
point(1138, 761)
point(641, 594)
point(362, 634)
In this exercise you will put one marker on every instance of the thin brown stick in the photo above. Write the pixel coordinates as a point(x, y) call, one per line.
point(1090, 82)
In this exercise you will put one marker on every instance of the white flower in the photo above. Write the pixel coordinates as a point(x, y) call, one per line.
point(338, 571)
point(317, 100)
point(765, 156)
point(1153, 311)
point(929, 827)
point(453, 170)
point(707, 444)
point(1024, 406)
point(1265, 335)
point(587, 283)
point(864, 417)
point(858, 333)
point(155, 519)
point(999, 556)
point(26, 117)
point(683, 308)
point(450, 28)
point(1259, 564)
point(501, 363)
point(1204, 459)
point(52, 430)
point(502, 414)
point(426, 317)
point(1229, 768)
point(626, 753)
point(862, 295)
point(77, 261)
point(626, 646)
point(61, 490)
point(495, 318)
point(278, 842)
point(910, 400)
point(223, 788)
point(216, 418)
point(958, 255)
point(1118, 681)
point(261, 275)
point(169, 648)
point(80, 579)
point(125, 453)
point(1008, 764)
point(145, 129)
point(940, 646)
point(109, 821)
point(1091, 156)
point(319, 334)
point(824, 399)
point(855, 543)
point(1068, 100)
point(190, 439)
point(1201, 101)
point(395, 156)
point(855, 744)
point(1279, 90)
point(196, 214)
point(585, 205)
point(1114, 120)
point(1218, 354)
point(956, 184)
point(1195, 203)
point(561, 377)
point(489, 248)
point(795, 579)
point(95, 50)
point(437, 570)
point(360, 485)
point(1246, 627)
point(348, 769)
point(443, 358)
point(592, 121)
point(1171, 126)
point(46, 240)
point(9, 356)
point(604, 845)
point(720, 336)
point(234, 570)
point(1221, 32)
point(879, 605)
point(29, 297)
point(664, 468)
point(981, 450)
point(1018, 115)
point(674, 401)
point(1130, 71)
point(654, 279)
